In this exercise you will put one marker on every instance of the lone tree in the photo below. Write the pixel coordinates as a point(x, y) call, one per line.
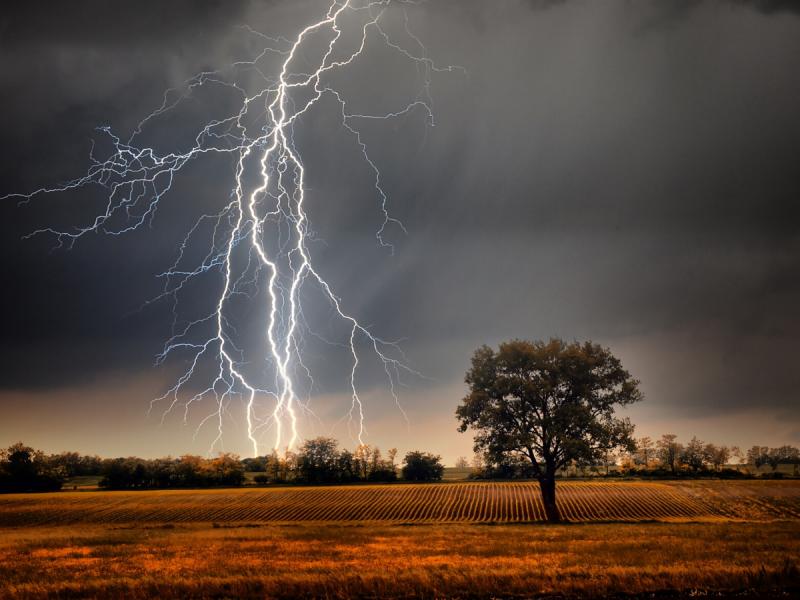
point(547, 402)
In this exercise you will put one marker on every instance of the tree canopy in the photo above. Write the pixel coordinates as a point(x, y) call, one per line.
point(422, 466)
point(552, 403)
point(23, 469)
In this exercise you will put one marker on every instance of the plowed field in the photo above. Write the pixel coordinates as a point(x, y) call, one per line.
point(500, 502)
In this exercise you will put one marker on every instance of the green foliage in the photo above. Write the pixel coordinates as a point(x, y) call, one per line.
point(73, 464)
point(320, 461)
point(670, 451)
point(716, 456)
point(23, 469)
point(422, 466)
point(255, 465)
point(693, 455)
point(783, 455)
point(186, 471)
point(550, 402)
point(762, 455)
point(511, 466)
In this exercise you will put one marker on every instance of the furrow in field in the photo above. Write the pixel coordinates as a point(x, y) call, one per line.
point(639, 501)
point(436, 503)
point(579, 501)
point(602, 509)
point(428, 506)
point(584, 511)
point(393, 503)
point(531, 495)
point(461, 508)
point(659, 506)
point(508, 511)
point(618, 503)
point(518, 515)
point(566, 509)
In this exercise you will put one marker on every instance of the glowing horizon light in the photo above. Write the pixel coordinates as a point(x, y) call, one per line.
point(268, 218)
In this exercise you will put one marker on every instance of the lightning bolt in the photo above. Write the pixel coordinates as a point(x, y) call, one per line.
point(262, 224)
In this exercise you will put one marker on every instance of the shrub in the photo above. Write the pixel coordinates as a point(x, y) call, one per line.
point(383, 473)
point(422, 466)
point(731, 474)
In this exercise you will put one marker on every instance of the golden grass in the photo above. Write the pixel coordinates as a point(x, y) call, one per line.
point(383, 560)
point(421, 541)
point(500, 502)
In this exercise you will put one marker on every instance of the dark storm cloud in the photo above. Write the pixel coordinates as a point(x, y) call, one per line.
point(666, 14)
point(584, 180)
point(66, 68)
point(99, 23)
point(770, 6)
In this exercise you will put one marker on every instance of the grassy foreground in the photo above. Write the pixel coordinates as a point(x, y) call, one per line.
point(420, 561)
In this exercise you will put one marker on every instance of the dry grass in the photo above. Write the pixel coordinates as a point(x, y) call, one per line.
point(423, 561)
point(708, 501)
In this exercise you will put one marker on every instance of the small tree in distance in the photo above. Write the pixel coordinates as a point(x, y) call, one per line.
point(758, 455)
point(317, 460)
point(644, 450)
point(670, 451)
point(422, 466)
point(549, 403)
point(716, 456)
point(693, 455)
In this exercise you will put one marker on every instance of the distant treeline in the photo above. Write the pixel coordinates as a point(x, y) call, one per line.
point(23, 469)
point(320, 460)
point(666, 457)
point(185, 471)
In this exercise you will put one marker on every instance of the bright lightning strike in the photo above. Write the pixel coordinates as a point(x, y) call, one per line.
point(263, 220)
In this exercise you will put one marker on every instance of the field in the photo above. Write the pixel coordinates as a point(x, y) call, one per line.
point(503, 502)
point(464, 540)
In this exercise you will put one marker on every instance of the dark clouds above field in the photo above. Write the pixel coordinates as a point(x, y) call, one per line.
point(625, 172)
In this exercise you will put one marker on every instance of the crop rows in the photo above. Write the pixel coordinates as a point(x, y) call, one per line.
point(501, 502)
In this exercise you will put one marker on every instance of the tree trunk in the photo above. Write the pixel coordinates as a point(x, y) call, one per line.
point(547, 484)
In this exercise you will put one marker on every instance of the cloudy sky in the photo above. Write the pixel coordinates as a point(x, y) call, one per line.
point(622, 172)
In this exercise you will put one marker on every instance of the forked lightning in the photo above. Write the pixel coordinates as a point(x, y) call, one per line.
point(264, 215)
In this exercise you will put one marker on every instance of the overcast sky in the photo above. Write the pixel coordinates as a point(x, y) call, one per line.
point(625, 172)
